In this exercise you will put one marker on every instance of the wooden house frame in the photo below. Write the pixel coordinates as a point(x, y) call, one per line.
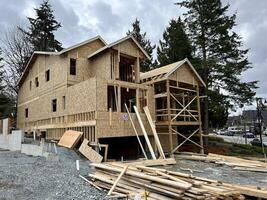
point(86, 86)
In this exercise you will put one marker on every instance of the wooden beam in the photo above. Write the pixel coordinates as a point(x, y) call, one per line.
point(153, 127)
point(117, 180)
point(176, 148)
point(169, 112)
point(145, 133)
point(184, 108)
point(142, 148)
point(200, 123)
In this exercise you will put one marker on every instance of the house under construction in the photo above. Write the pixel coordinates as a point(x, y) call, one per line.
point(86, 87)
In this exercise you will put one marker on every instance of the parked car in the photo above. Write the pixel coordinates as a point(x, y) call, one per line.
point(230, 133)
point(248, 135)
point(257, 142)
point(234, 129)
point(221, 132)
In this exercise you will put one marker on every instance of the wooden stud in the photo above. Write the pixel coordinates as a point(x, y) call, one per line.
point(145, 133)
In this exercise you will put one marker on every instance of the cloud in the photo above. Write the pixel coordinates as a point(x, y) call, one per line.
point(82, 19)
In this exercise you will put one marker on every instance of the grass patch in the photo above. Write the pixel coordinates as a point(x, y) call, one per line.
point(219, 146)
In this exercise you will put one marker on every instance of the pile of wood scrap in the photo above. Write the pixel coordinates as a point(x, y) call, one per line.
point(156, 184)
point(235, 162)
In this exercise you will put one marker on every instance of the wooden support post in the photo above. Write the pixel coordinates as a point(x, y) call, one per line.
point(137, 98)
point(156, 137)
point(110, 116)
point(169, 112)
point(119, 99)
point(117, 180)
point(142, 148)
point(145, 133)
point(200, 122)
point(137, 70)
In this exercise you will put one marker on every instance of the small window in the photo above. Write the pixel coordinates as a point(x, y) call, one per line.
point(54, 105)
point(30, 85)
point(26, 113)
point(47, 75)
point(36, 82)
point(72, 66)
point(64, 102)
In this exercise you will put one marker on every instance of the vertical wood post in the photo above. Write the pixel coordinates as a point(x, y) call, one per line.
point(119, 98)
point(200, 122)
point(137, 70)
point(137, 99)
point(169, 112)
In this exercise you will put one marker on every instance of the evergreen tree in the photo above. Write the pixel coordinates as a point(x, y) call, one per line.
point(175, 45)
point(220, 50)
point(145, 43)
point(42, 28)
point(5, 104)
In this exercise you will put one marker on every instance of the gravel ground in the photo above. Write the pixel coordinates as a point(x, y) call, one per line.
point(24, 177)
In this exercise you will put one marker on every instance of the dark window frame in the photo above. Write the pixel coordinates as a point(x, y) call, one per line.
point(36, 82)
point(26, 112)
point(54, 105)
point(47, 75)
point(73, 66)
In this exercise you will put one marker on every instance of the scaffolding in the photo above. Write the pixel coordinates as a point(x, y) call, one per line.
point(177, 103)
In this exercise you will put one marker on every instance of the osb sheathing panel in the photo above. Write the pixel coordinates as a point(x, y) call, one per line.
point(99, 66)
point(120, 125)
point(82, 67)
point(128, 47)
point(184, 74)
point(82, 97)
point(79, 98)
point(58, 76)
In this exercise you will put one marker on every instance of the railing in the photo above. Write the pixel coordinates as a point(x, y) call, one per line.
point(79, 117)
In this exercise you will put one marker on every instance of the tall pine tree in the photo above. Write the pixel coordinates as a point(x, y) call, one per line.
point(175, 45)
point(220, 50)
point(5, 104)
point(145, 44)
point(42, 28)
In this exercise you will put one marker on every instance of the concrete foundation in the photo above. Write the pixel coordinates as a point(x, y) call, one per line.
point(12, 141)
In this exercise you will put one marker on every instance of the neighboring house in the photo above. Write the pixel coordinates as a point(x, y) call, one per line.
point(86, 86)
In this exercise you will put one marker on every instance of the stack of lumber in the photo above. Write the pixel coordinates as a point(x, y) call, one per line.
point(235, 162)
point(157, 184)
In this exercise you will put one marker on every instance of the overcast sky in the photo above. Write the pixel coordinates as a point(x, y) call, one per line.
point(82, 19)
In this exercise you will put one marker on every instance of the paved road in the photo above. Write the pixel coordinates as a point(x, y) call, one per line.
point(239, 139)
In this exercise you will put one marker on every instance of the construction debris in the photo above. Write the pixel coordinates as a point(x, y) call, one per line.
point(70, 138)
point(235, 162)
point(156, 183)
point(89, 153)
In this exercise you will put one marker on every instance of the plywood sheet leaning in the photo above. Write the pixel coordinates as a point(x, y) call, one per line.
point(70, 138)
point(89, 153)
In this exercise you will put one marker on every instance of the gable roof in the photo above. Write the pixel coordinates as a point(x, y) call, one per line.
point(36, 53)
point(167, 70)
point(117, 42)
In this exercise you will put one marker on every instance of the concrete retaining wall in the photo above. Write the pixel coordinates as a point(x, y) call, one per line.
point(12, 141)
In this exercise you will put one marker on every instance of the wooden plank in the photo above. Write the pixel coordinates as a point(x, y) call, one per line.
point(117, 180)
point(156, 137)
point(145, 133)
point(135, 131)
point(89, 153)
point(90, 182)
point(70, 138)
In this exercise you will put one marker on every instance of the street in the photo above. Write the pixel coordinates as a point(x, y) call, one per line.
point(238, 139)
